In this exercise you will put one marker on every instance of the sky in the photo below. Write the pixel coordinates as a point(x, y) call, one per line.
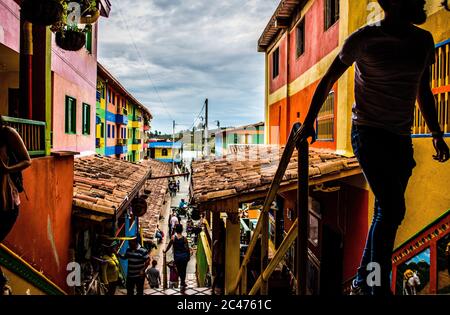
point(173, 54)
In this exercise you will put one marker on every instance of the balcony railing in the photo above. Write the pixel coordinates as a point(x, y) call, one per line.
point(136, 141)
point(298, 231)
point(32, 133)
point(122, 142)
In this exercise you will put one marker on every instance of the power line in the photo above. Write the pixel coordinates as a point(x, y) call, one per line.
point(143, 61)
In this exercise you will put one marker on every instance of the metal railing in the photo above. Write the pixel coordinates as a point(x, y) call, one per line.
point(297, 139)
point(32, 133)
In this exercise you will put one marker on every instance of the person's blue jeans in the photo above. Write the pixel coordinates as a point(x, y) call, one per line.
point(386, 160)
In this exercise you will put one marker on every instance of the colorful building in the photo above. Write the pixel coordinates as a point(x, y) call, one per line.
point(249, 134)
point(41, 87)
point(167, 152)
point(121, 120)
point(300, 42)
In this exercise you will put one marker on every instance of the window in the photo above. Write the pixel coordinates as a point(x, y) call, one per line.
point(235, 140)
point(102, 130)
point(300, 38)
point(113, 98)
point(331, 12)
point(164, 152)
point(276, 63)
point(113, 131)
point(440, 84)
point(88, 44)
point(86, 121)
point(71, 115)
point(325, 120)
point(109, 131)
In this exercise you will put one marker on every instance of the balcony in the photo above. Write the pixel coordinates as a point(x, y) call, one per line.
point(120, 149)
point(122, 142)
point(122, 119)
point(32, 133)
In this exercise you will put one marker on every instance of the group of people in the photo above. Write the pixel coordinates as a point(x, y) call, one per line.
point(138, 269)
point(174, 187)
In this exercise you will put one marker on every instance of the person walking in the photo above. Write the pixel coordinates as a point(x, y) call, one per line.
point(110, 269)
point(174, 221)
point(392, 59)
point(153, 276)
point(138, 261)
point(14, 158)
point(178, 185)
point(181, 253)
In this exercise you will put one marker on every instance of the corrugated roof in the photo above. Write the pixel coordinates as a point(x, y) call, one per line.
point(252, 168)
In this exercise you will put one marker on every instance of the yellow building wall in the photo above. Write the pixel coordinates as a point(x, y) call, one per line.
point(428, 194)
point(158, 154)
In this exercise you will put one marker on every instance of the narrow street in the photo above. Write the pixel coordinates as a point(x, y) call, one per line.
point(157, 254)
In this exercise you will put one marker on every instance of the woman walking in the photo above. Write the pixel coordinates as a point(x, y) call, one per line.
point(181, 253)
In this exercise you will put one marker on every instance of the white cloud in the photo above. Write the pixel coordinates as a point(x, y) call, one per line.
point(191, 49)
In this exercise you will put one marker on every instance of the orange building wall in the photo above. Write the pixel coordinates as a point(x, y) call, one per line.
point(42, 232)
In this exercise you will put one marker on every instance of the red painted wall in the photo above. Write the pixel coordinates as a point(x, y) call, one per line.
point(42, 232)
point(318, 42)
point(9, 24)
point(281, 79)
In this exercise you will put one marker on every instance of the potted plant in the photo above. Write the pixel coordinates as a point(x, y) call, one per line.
point(89, 11)
point(42, 12)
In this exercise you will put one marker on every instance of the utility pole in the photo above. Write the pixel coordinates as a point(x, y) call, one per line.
point(206, 129)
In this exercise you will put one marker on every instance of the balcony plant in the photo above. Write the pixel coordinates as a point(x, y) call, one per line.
point(42, 12)
point(69, 36)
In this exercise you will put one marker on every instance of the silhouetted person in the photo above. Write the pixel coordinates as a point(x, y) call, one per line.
point(392, 71)
point(181, 253)
point(14, 158)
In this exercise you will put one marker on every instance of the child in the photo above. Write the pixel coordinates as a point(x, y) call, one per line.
point(153, 276)
point(173, 275)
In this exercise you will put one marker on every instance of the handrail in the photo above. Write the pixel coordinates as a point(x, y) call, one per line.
point(297, 138)
point(295, 135)
point(280, 253)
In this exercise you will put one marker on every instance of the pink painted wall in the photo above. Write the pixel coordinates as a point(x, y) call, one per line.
point(75, 75)
point(71, 142)
point(9, 24)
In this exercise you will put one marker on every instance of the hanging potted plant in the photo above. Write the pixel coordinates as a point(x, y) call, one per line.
point(42, 12)
point(89, 11)
point(68, 35)
point(71, 37)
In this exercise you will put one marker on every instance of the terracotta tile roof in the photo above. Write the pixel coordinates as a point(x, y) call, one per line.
point(252, 168)
point(157, 198)
point(102, 184)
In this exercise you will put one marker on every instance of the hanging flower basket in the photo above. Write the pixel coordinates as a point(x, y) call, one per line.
point(71, 40)
point(90, 17)
point(42, 12)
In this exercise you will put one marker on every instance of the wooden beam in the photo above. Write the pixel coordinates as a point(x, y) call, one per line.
point(168, 176)
point(232, 252)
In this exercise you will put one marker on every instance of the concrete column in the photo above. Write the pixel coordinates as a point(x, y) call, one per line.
point(232, 251)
